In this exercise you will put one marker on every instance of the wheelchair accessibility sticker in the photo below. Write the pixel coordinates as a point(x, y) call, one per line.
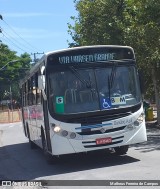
point(107, 103)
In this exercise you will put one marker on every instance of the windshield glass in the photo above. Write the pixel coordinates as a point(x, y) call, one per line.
point(93, 89)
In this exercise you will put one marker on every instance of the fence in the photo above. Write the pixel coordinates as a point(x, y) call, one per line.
point(10, 116)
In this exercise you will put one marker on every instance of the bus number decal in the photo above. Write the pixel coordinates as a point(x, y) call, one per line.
point(59, 104)
point(118, 100)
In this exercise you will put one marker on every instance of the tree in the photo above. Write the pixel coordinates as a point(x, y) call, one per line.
point(143, 34)
point(97, 23)
point(12, 72)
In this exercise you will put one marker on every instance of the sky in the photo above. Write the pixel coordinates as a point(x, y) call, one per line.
point(36, 25)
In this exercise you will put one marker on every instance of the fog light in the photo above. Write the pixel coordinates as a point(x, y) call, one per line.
point(73, 135)
point(140, 118)
point(64, 133)
point(130, 127)
point(136, 123)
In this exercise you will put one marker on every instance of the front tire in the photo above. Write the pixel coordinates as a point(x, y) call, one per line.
point(121, 150)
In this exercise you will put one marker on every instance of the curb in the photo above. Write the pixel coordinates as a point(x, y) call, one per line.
point(9, 124)
point(152, 124)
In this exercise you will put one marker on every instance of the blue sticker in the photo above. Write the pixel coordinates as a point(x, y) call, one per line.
point(105, 103)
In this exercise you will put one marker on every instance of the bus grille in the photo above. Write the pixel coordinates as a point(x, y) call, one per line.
point(94, 132)
point(99, 118)
point(92, 144)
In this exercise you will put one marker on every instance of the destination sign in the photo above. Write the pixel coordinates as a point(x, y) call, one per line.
point(90, 55)
point(87, 58)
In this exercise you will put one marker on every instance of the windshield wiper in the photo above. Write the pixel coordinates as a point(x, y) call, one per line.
point(111, 78)
point(80, 77)
point(117, 61)
point(113, 74)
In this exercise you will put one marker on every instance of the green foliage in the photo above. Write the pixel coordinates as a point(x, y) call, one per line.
point(13, 71)
point(98, 22)
point(144, 37)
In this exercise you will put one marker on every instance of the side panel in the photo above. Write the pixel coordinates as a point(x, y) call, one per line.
point(36, 122)
point(40, 123)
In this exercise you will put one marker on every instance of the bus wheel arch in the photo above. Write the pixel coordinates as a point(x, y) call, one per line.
point(47, 155)
point(44, 145)
point(31, 143)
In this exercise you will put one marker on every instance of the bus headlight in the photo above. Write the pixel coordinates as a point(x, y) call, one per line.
point(139, 120)
point(56, 129)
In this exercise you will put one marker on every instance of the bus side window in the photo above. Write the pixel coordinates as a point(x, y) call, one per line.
point(38, 92)
point(31, 97)
point(28, 92)
point(23, 96)
point(39, 97)
point(33, 80)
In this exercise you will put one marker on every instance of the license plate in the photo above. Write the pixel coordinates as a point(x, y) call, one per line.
point(103, 140)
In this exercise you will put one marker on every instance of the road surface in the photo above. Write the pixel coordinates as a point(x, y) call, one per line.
point(19, 162)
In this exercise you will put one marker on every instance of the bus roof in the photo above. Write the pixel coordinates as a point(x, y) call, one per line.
point(87, 47)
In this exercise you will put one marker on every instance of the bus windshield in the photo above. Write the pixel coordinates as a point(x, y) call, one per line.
point(73, 91)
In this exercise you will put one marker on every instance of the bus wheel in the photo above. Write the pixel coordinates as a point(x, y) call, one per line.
point(121, 150)
point(48, 156)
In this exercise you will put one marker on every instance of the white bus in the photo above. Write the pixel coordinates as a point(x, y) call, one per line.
point(83, 99)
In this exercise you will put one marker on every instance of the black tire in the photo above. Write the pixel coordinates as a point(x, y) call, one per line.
point(121, 150)
point(32, 145)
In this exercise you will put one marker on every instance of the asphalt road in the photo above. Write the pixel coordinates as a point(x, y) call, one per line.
point(19, 162)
